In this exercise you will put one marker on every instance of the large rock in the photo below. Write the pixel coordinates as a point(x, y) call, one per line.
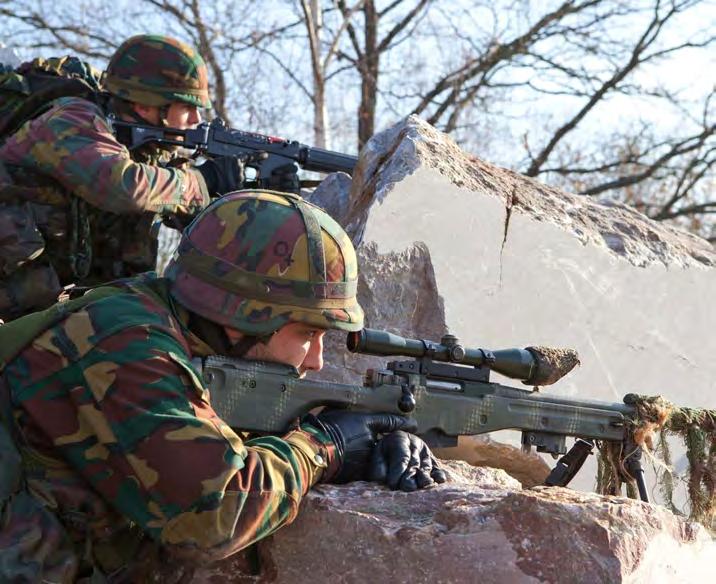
point(449, 243)
point(528, 468)
point(480, 527)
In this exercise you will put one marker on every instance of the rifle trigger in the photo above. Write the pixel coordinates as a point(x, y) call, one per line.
point(406, 403)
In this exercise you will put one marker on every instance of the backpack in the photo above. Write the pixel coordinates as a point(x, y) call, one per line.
point(27, 90)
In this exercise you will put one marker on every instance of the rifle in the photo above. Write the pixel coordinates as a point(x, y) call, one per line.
point(215, 139)
point(445, 387)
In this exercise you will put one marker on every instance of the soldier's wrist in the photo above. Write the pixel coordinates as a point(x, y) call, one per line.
point(319, 451)
point(327, 453)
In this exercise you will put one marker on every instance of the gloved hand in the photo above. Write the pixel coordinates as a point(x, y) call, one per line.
point(403, 461)
point(285, 179)
point(223, 174)
point(355, 435)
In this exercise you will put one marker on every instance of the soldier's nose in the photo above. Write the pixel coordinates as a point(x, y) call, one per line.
point(314, 357)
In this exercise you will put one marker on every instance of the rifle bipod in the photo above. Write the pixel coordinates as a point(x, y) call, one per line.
point(568, 466)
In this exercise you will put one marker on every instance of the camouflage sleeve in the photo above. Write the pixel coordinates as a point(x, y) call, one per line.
point(147, 439)
point(73, 143)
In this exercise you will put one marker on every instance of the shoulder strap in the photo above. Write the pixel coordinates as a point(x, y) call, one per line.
point(18, 334)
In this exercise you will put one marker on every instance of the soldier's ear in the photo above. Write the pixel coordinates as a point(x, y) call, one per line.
point(149, 113)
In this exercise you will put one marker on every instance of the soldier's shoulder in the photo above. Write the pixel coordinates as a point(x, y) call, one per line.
point(133, 304)
point(75, 111)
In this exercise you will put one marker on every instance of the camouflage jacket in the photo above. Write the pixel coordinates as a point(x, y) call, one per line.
point(118, 435)
point(93, 201)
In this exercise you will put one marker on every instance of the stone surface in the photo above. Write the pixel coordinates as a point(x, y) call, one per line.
point(449, 243)
point(528, 468)
point(480, 527)
point(332, 195)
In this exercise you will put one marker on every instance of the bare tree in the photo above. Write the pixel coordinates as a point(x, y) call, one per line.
point(526, 83)
point(220, 30)
point(365, 56)
point(323, 47)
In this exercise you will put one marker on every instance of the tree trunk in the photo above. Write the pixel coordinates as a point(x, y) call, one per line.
point(368, 66)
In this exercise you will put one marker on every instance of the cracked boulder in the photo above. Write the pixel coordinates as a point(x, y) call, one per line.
point(479, 527)
point(449, 243)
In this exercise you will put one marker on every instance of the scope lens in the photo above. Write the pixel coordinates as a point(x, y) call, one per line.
point(353, 341)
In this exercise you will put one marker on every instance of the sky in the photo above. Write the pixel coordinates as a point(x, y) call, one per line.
point(287, 113)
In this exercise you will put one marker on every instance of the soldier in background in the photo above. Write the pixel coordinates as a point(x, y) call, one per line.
point(124, 458)
point(76, 206)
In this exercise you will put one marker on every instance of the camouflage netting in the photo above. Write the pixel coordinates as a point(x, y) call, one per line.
point(552, 364)
point(657, 417)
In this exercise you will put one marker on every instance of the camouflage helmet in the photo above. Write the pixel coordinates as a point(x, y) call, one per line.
point(255, 260)
point(157, 70)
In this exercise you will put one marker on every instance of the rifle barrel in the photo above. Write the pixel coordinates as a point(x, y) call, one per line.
point(320, 160)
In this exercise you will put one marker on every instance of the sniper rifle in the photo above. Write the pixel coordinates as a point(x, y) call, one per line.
point(446, 388)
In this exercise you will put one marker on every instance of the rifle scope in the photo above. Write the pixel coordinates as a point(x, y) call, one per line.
point(514, 363)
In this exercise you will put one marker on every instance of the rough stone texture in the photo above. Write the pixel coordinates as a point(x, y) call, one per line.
point(480, 527)
point(449, 243)
point(528, 468)
point(393, 155)
point(332, 195)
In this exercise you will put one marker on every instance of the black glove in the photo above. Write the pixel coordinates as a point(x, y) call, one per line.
point(403, 461)
point(355, 435)
point(223, 174)
point(285, 179)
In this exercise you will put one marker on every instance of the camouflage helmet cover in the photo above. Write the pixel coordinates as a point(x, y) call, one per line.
point(256, 260)
point(157, 70)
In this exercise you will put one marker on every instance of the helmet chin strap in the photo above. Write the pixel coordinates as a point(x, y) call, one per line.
point(163, 115)
point(245, 344)
point(124, 108)
point(216, 337)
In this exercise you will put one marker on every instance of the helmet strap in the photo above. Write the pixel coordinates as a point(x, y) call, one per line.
point(246, 343)
point(163, 114)
point(122, 107)
point(214, 335)
point(211, 333)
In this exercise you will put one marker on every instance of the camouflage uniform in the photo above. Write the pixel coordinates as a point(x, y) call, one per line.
point(117, 430)
point(75, 204)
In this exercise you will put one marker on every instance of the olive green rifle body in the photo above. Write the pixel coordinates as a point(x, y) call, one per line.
point(445, 388)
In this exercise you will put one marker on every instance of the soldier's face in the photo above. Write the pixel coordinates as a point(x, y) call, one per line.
point(183, 116)
point(179, 115)
point(297, 344)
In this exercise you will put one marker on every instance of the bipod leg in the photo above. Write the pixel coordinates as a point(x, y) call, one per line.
point(632, 464)
point(568, 466)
